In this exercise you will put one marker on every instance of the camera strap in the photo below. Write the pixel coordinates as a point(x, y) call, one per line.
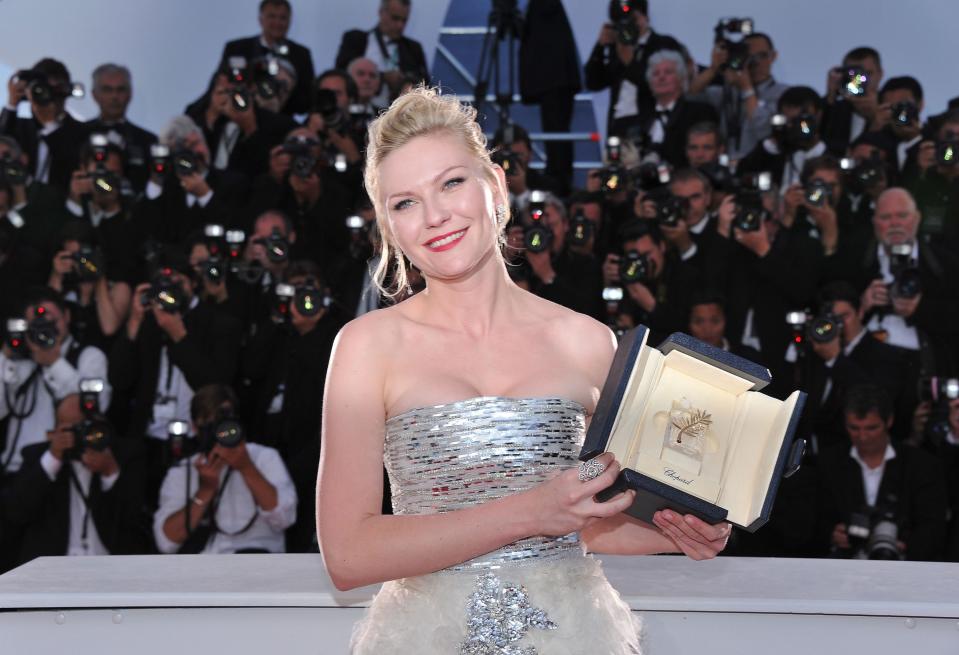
point(86, 502)
point(27, 404)
point(215, 505)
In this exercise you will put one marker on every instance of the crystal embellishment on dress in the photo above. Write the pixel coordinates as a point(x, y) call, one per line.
point(498, 615)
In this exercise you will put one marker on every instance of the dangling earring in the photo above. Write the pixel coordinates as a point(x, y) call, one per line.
point(500, 213)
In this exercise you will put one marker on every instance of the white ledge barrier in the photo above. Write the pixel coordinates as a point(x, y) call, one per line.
point(272, 604)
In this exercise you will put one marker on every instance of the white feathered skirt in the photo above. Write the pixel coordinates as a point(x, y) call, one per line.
point(556, 607)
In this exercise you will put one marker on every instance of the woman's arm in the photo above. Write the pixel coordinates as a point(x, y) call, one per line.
point(113, 303)
point(361, 546)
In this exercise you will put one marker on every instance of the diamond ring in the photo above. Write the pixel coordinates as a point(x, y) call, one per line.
point(590, 469)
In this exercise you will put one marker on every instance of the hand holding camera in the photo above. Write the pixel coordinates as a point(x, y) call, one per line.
point(16, 91)
point(236, 457)
point(875, 295)
point(280, 160)
point(756, 241)
point(208, 469)
point(61, 441)
point(194, 184)
point(101, 462)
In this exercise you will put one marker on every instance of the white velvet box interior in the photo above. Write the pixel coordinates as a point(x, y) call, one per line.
point(732, 462)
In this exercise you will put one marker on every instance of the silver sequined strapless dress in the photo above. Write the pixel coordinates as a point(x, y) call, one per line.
point(538, 596)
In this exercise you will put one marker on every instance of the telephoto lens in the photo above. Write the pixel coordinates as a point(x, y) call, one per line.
point(42, 330)
point(635, 267)
point(89, 263)
point(309, 300)
point(228, 432)
point(824, 328)
point(580, 229)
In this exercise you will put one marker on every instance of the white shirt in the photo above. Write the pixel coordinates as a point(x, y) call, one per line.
point(154, 191)
point(872, 478)
point(173, 394)
point(76, 544)
point(657, 130)
point(626, 101)
point(236, 506)
point(228, 139)
point(856, 127)
point(390, 62)
point(900, 333)
point(902, 148)
point(96, 214)
point(61, 379)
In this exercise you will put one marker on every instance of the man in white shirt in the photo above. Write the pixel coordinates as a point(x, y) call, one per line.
point(884, 482)
point(232, 496)
point(31, 387)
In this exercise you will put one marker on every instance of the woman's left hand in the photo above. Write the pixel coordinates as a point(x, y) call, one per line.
point(694, 537)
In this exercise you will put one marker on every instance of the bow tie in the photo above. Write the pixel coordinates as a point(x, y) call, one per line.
point(663, 115)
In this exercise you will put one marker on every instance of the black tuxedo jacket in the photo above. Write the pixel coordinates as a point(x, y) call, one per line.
point(410, 52)
point(137, 142)
point(837, 126)
point(169, 219)
point(783, 280)
point(41, 507)
point(937, 316)
point(605, 70)
point(298, 55)
point(64, 144)
point(207, 355)
point(684, 115)
point(912, 486)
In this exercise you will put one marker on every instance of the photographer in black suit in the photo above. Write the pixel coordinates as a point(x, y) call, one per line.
point(72, 497)
point(172, 345)
point(851, 356)
point(112, 91)
point(618, 62)
point(909, 297)
point(934, 181)
point(396, 56)
point(275, 18)
point(846, 116)
point(899, 484)
point(51, 137)
point(668, 120)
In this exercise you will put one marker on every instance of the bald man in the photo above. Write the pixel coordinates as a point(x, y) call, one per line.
point(924, 317)
point(71, 500)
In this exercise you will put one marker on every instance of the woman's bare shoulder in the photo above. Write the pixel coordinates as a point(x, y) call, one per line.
point(370, 335)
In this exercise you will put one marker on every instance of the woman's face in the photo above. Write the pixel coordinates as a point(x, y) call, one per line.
point(440, 205)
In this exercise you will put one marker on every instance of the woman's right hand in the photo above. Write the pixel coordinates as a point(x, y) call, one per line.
point(565, 504)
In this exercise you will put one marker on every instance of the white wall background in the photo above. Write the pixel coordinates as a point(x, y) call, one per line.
point(172, 46)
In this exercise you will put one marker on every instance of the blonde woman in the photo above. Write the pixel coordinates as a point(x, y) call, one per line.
point(476, 395)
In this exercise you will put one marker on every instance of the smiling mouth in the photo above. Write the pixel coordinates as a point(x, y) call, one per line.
point(445, 240)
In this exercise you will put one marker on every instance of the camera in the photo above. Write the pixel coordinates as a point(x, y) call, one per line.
point(300, 149)
point(265, 81)
point(308, 299)
point(12, 171)
point(635, 267)
point(324, 104)
point(873, 534)
point(580, 229)
point(748, 198)
point(651, 175)
point(185, 162)
point(213, 269)
point(89, 263)
point(181, 445)
point(818, 193)
point(90, 390)
point(864, 176)
point(947, 150)
point(93, 433)
point(613, 176)
point(904, 113)
point(355, 223)
point(621, 16)
point(737, 52)
point(159, 159)
point(670, 209)
point(855, 81)
point(17, 338)
point(238, 75)
point(824, 328)
point(213, 238)
point(42, 91)
point(42, 331)
point(166, 292)
point(507, 160)
point(276, 245)
point(537, 237)
point(797, 133)
point(719, 175)
point(612, 295)
point(906, 283)
point(104, 180)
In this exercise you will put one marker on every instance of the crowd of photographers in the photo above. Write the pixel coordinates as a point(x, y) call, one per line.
point(170, 301)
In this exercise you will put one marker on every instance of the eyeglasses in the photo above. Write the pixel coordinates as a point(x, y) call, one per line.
point(762, 55)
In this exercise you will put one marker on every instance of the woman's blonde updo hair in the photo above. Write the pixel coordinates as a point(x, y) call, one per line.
point(419, 112)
